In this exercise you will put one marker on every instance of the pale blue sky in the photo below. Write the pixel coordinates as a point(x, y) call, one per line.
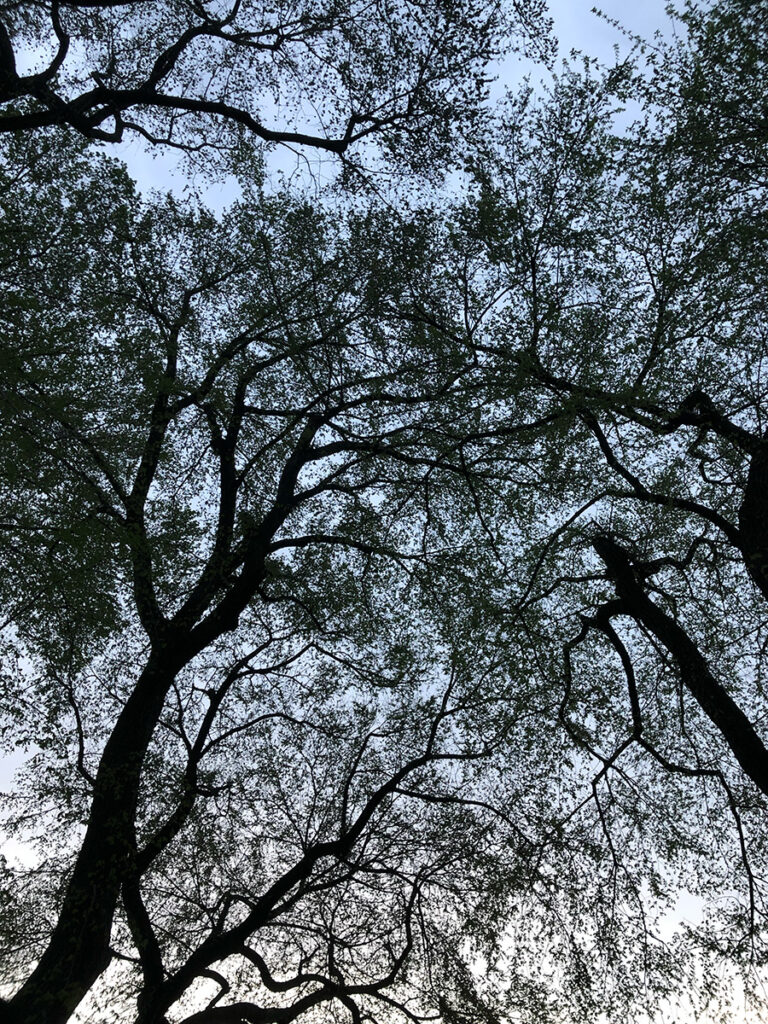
point(576, 27)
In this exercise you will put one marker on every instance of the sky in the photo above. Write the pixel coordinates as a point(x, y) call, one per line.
point(577, 27)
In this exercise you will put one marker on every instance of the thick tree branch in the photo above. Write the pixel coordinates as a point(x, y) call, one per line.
point(722, 710)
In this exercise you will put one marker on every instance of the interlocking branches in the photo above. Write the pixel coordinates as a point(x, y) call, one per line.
point(193, 76)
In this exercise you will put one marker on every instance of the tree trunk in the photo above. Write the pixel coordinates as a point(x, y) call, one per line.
point(78, 950)
point(753, 520)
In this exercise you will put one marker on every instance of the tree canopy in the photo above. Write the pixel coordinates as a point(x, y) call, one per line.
point(384, 584)
point(194, 74)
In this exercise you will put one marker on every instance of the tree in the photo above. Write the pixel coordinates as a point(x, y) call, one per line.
point(383, 70)
point(380, 584)
point(253, 473)
point(236, 490)
point(628, 280)
point(303, 74)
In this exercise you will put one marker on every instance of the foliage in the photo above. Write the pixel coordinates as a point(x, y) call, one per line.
point(386, 588)
point(406, 73)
